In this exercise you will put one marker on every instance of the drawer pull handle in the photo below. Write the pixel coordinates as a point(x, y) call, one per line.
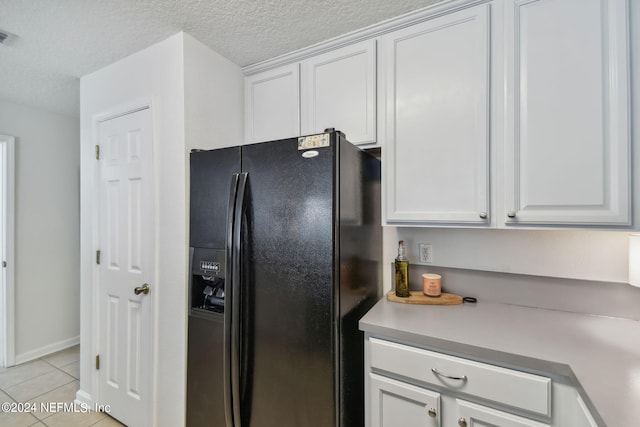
point(451, 377)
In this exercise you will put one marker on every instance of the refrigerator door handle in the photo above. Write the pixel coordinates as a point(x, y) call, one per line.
point(236, 280)
point(227, 356)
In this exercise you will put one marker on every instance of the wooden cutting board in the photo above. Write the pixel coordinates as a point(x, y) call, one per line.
point(417, 297)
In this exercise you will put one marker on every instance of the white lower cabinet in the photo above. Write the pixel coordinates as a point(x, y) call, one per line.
point(503, 386)
point(395, 403)
point(584, 417)
point(409, 386)
point(470, 415)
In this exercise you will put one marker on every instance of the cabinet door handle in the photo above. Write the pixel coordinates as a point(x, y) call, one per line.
point(483, 215)
point(451, 377)
point(432, 413)
point(462, 422)
point(511, 214)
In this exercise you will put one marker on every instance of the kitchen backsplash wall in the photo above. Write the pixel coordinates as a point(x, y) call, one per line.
point(573, 254)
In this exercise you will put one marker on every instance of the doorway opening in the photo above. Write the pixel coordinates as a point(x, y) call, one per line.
point(7, 289)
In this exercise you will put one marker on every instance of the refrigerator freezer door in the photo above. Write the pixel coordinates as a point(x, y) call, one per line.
point(211, 173)
point(207, 378)
point(288, 297)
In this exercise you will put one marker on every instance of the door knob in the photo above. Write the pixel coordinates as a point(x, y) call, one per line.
point(432, 413)
point(462, 422)
point(144, 289)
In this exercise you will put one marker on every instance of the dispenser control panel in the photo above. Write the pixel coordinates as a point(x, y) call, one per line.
point(207, 280)
point(210, 266)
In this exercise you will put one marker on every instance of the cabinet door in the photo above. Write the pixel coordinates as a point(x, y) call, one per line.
point(473, 415)
point(437, 120)
point(272, 104)
point(339, 91)
point(394, 403)
point(567, 130)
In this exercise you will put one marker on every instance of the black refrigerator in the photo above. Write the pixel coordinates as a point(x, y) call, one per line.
point(285, 256)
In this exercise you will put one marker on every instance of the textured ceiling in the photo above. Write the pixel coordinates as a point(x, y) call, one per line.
point(57, 41)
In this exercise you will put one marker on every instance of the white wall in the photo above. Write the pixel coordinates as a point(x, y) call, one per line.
point(154, 73)
point(214, 100)
point(47, 235)
point(187, 82)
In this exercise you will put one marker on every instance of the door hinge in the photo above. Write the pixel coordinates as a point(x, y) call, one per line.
point(97, 152)
point(98, 257)
point(98, 362)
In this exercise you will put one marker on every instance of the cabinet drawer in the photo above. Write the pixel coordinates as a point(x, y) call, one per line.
point(506, 386)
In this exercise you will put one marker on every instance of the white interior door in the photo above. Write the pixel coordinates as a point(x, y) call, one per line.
point(126, 264)
point(7, 354)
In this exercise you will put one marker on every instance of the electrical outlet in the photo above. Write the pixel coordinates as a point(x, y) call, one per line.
point(426, 253)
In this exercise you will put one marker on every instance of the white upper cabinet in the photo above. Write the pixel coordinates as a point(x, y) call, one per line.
point(272, 104)
point(567, 141)
point(339, 91)
point(436, 86)
point(336, 89)
point(502, 113)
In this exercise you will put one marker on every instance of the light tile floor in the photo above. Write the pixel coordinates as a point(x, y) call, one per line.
point(46, 383)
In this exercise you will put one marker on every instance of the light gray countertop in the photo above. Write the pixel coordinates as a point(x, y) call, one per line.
point(600, 355)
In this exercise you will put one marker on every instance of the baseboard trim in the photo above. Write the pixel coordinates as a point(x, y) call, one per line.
point(83, 398)
point(46, 350)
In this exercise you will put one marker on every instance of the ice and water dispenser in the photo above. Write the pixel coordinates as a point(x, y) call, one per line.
point(207, 280)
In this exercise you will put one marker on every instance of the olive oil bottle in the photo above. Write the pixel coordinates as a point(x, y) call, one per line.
point(402, 272)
